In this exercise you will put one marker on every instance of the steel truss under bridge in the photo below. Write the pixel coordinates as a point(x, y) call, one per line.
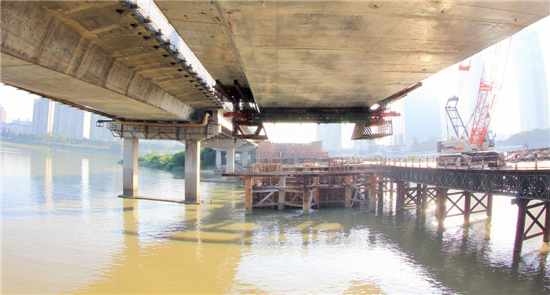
point(372, 130)
point(164, 133)
point(371, 122)
point(523, 184)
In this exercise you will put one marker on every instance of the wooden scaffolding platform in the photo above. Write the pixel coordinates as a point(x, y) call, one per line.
point(339, 184)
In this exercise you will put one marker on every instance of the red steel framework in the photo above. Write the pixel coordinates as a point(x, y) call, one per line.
point(489, 89)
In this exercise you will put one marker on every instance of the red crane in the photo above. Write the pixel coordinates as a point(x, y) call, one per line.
point(490, 85)
point(462, 150)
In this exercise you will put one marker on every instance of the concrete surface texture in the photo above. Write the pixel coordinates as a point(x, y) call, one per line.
point(291, 53)
point(356, 53)
point(95, 54)
point(202, 26)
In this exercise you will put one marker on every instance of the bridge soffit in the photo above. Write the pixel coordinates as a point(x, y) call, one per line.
point(101, 44)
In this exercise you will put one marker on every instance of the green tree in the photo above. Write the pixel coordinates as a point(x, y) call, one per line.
point(46, 136)
point(62, 137)
point(179, 158)
point(208, 158)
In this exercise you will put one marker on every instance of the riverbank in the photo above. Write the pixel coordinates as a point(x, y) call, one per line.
point(19, 145)
point(175, 162)
point(57, 146)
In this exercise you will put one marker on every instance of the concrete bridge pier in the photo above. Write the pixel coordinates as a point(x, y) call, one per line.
point(244, 150)
point(228, 146)
point(230, 160)
point(244, 159)
point(248, 182)
point(192, 170)
point(218, 159)
point(130, 167)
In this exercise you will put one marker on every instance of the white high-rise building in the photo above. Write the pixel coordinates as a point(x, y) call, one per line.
point(531, 80)
point(331, 135)
point(68, 121)
point(99, 133)
point(43, 116)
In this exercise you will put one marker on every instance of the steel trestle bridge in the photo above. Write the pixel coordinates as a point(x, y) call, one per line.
point(526, 184)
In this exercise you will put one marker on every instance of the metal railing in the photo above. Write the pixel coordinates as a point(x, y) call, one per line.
point(528, 184)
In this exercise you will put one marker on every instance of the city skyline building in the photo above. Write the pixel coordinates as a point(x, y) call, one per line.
point(2, 114)
point(43, 116)
point(331, 135)
point(68, 121)
point(17, 127)
point(99, 133)
point(531, 80)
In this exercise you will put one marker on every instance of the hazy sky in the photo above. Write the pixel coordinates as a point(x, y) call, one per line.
point(19, 104)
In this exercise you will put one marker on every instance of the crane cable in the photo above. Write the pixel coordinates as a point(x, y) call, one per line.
point(463, 70)
point(493, 71)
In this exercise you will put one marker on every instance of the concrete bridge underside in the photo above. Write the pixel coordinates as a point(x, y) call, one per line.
point(307, 54)
point(95, 54)
point(323, 54)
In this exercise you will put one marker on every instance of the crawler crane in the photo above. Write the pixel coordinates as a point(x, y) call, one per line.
point(473, 148)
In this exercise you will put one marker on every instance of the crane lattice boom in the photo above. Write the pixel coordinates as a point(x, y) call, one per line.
point(492, 78)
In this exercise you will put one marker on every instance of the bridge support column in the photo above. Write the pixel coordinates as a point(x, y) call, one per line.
point(489, 216)
point(418, 195)
point(218, 159)
point(130, 167)
point(316, 182)
point(248, 195)
point(441, 204)
point(467, 207)
point(347, 191)
point(400, 198)
point(520, 226)
point(306, 203)
point(380, 193)
point(282, 192)
point(424, 198)
point(546, 232)
point(372, 193)
point(192, 170)
point(230, 160)
point(535, 211)
point(244, 159)
point(391, 189)
point(489, 205)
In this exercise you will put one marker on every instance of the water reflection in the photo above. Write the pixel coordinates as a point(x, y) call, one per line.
point(71, 223)
point(85, 184)
point(48, 184)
